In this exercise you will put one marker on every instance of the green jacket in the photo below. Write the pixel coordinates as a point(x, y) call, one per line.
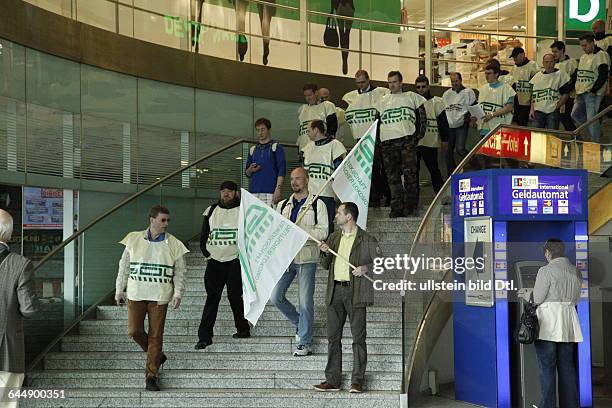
point(365, 249)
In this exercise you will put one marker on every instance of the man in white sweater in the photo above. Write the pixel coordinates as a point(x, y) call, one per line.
point(152, 269)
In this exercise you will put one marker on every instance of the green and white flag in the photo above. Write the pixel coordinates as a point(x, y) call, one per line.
point(353, 178)
point(267, 243)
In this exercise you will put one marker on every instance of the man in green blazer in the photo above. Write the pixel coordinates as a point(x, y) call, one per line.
point(348, 293)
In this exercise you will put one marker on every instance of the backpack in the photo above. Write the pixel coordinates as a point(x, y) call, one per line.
point(274, 145)
point(314, 207)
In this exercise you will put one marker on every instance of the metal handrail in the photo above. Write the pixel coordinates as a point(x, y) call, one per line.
point(68, 240)
point(132, 198)
point(593, 119)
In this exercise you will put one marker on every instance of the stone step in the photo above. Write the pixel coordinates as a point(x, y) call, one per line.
point(283, 329)
point(194, 284)
point(201, 360)
point(212, 379)
point(214, 398)
point(226, 344)
point(270, 313)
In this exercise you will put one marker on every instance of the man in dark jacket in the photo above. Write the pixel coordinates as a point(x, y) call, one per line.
point(218, 244)
point(18, 301)
point(348, 293)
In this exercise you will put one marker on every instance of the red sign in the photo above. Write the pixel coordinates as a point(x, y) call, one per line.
point(509, 143)
point(443, 42)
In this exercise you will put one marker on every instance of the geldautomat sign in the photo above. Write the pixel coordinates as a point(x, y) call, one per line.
point(471, 195)
point(540, 195)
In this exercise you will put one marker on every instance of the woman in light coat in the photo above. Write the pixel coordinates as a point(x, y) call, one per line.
point(556, 292)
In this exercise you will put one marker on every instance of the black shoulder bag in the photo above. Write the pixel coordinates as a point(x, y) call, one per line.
point(529, 327)
point(331, 38)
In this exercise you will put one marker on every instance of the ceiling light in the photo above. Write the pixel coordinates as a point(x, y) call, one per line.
point(481, 13)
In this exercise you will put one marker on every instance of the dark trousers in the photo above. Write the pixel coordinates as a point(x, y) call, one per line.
point(400, 158)
point(558, 357)
point(430, 156)
point(566, 116)
point(342, 306)
point(546, 120)
point(457, 138)
point(521, 113)
point(151, 341)
point(217, 275)
point(380, 186)
point(330, 203)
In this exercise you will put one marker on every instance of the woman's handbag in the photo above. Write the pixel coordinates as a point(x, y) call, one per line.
point(529, 326)
point(331, 38)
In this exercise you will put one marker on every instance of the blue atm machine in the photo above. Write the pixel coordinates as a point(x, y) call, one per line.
point(503, 217)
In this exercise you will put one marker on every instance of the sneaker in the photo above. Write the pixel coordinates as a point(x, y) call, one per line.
point(325, 387)
point(302, 351)
point(244, 335)
point(152, 384)
point(356, 388)
point(201, 345)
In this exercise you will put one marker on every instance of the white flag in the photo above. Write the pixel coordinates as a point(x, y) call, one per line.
point(267, 243)
point(353, 178)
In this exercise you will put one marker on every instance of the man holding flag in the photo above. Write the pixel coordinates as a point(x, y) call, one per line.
point(312, 218)
point(348, 293)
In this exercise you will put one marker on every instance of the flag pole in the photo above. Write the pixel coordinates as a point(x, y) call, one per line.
point(338, 255)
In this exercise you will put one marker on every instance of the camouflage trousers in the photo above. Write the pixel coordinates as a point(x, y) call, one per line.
point(400, 159)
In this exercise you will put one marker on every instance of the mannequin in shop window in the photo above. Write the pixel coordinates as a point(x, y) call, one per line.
point(265, 16)
point(344, 8)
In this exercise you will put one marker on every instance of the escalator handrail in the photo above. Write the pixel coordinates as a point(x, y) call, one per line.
point(593, 119)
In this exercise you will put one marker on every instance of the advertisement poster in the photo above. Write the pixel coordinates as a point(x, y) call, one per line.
point(540, 195)
point(43, 208)
point(478, 275)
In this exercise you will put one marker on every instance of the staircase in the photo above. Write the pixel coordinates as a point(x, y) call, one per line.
point(103, 367)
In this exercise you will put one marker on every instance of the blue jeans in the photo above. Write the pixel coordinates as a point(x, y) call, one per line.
point(546, 120)
point(586, 106)
point(456, 143)
point(558, 357)
point(302, 318)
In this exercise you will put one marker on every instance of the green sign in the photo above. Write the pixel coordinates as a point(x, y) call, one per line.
point(580, 14)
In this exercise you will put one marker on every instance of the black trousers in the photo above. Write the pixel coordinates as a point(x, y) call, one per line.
point(430, 156)
point(566, 117)
point(217, 275)
point(521, 113)
point(380, 185)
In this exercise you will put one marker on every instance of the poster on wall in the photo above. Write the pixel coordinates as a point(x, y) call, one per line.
point(478, 271)
point(43, 208)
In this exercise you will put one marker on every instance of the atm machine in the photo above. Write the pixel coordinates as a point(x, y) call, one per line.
point(526, 372)
point(504, 216)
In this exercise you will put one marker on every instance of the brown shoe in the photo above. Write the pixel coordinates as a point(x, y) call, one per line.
point(356, 388)
point(325, 387)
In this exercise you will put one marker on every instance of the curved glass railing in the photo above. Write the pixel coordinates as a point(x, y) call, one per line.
point(79, 273)
point(291, 34)
point(427, 312)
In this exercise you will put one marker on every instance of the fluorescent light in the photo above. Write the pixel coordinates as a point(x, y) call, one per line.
point(481, 13)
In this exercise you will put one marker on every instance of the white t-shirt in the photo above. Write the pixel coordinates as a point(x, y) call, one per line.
point(319, 162)
point(456, 105)
point(433, 108)
point(522, 75)
point(361, 111)
point(398, 114)
point(569, 66)
point(492, 99)
point(308, 113)
point(588, 72)
point(221, 242)
point(545, 92)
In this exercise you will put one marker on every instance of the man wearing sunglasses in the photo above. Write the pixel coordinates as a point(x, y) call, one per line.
point(151, 275)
